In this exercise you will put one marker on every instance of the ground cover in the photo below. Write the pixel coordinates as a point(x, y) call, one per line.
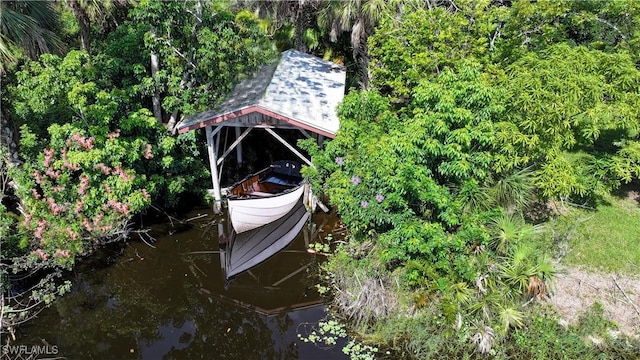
point(600, 262)
point(608, 238)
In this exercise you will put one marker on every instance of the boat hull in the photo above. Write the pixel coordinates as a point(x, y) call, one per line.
point(251, 213)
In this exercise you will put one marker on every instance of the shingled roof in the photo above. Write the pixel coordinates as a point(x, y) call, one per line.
point(298, 91)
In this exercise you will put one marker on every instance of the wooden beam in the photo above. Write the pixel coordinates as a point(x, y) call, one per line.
point(289, 146)
point(226, 119)
point(305, 133)
point(235, 143)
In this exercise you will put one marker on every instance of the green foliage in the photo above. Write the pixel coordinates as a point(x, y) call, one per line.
point(614, 220)
point(93, 154)
point(561, 100)
point(543, 338)
point(28, 28)
point(416, 45)
point(74, 89)
point(476, 110)
point(328, 333)
point(509, 231)
point(201, 57)
point(41, 96)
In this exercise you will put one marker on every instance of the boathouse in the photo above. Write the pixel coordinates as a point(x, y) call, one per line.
point(298, 91)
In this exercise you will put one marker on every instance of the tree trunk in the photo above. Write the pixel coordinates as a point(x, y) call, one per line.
point(83, 23)
point(155, 66)
point(8, 139)
point(173, 120)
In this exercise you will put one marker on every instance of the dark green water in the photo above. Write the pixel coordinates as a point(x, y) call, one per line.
point(170, 301)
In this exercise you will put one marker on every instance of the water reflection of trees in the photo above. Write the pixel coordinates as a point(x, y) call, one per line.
point(147, 295)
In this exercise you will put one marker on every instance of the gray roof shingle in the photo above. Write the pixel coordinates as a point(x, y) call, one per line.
point(300, 90)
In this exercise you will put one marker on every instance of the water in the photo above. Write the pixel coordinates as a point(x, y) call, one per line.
point(170, 301)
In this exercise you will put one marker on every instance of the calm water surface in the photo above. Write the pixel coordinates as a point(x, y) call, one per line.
point(170, 300)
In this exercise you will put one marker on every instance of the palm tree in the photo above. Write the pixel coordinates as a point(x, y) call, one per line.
point(300, 14)
point(27, 27)
point(87, 12)
point(359, 17)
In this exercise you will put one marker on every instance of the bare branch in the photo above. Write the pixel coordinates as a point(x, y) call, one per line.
point(635, 307)
point(612, 26)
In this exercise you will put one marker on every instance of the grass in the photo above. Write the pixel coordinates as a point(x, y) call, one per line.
point(607, 239)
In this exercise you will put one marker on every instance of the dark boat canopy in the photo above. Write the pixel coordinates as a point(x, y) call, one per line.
point(298, 91)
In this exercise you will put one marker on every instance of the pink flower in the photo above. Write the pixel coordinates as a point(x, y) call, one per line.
point(123, 175)
point(43, 255)
point(97, 220)
point(70, 165)
point(87, 224)
point(89, 143)
point(36, 176)
point(104, 169)
point(27, 220)
point(145, 194)
point(55, 208)
point(72, 234)
point(62, 253)
point(53, 174)
point(114, 135)
point(147, 152)
point(84, 184)
point(364, 204)
point(86, 143)
point(355, 180)
point(79, 206)
point(35, 194)
point(380, 198)
point(339, 160)
point(42, 226)
point(48, 157)
point(67, 163)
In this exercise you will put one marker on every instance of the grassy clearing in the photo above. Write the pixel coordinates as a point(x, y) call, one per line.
point(607, 239)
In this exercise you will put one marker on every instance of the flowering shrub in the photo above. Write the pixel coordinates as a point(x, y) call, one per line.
point(80, 191)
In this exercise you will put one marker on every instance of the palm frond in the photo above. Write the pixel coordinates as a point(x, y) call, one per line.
point(510, 318)
point(514, 190)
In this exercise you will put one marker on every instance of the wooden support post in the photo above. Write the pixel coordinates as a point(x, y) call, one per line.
point(239, 151)
point(213, 164)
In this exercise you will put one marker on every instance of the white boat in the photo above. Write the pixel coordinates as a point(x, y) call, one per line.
point(265, 196)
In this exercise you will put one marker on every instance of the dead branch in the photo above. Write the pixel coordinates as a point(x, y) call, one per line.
point(171, 218)
point(615, 28)
point(201, 252)
point(146, 233)
point(626, 296)
point(195, 218)
point(137, 254)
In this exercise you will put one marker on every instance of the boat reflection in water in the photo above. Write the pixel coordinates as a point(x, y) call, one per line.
point(253, 265)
